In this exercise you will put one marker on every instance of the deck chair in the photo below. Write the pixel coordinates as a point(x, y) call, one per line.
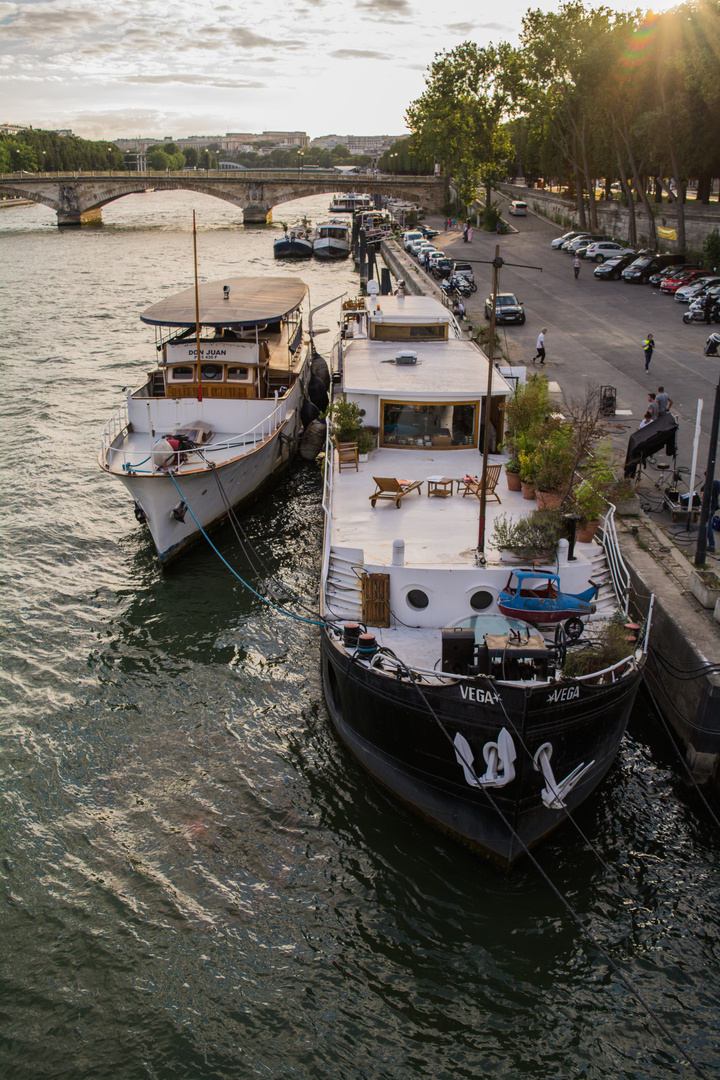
point(474, 487)
point(394, 490)
point(347, 455)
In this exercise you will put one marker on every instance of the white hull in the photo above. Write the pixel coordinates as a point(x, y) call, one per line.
point(329, 247)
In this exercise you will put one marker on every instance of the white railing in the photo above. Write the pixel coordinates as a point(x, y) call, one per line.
point(326, 505)
point(123, 459)
point(619, 573)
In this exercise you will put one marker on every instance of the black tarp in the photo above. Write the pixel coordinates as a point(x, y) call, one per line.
point(650, 440)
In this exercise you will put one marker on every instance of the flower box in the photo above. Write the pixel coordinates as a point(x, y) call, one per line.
point(705, 587)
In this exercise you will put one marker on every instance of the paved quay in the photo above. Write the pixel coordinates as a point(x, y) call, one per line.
point(594, 336)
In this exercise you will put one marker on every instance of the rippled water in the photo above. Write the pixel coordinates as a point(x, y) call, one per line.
point(197, 881)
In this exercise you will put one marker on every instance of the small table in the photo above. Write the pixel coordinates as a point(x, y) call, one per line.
point(439, 485)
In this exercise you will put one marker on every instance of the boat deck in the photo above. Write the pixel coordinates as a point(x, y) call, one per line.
point(438, 532)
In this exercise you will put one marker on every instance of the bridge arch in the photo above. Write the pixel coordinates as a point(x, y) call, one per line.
point(78, 199)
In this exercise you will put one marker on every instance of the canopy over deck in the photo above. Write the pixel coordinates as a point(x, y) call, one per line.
point(252, 301)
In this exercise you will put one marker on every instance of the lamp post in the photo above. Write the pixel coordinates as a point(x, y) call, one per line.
point(300, 162)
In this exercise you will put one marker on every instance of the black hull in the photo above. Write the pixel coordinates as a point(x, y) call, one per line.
point(386, 724)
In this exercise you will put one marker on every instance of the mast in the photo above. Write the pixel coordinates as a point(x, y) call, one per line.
point(497, 263)
point(197, 314)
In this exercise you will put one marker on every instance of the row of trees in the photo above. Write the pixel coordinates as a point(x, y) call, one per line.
point(587, 94)
point(34, 150)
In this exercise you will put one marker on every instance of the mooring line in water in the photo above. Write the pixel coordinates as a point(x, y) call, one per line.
point(571, 911)
point(276, 607)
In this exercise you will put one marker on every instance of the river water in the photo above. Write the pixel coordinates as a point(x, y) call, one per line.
point(197, 880)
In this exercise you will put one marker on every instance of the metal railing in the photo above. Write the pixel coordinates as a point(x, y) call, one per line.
point(122, 459)
point(619, 573)
point(326, 503)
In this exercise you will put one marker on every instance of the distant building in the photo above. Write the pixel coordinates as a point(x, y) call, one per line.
point(358, 144)
point(231, 165)
point(12, 129)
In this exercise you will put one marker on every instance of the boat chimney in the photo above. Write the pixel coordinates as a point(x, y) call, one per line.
point(226, 292)
point(398, 556)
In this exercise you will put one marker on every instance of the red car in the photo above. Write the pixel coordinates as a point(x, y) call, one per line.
point(671, 285)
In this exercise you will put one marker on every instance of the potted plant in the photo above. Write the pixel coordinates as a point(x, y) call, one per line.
point(347, 426)
point(705, 587)
point(553, 464)
point(512, 474)
point(588, 503)
point(527, 474)
point(624, 498)
point(531, 538)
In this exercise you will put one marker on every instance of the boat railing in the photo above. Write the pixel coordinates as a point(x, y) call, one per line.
point(619, 573)
point(326, 504)
point(125, 459)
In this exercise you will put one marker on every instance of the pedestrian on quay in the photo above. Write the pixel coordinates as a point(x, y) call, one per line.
point(647, 419)
point(663, 401)
point(448, 224)
point(648, 346)
point(709, 301)
point(540, 346)
point(652, 406)
point(465, 234)
point(576, 266)
point(470, 234)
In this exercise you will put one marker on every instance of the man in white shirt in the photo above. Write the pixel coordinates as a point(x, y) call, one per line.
point(540, 346)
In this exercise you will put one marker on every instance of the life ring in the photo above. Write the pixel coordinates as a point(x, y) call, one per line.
point(210, 371)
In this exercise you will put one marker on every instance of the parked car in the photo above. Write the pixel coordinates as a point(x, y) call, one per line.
point(428, 233)
point(419, 245)
point(518, 209)
point(645, 265)
point(686, 293)
point(582, 242)
point(410, 238)
point(565, 239)
point(606, 249)
point(672, 284)
point(464, 269)
point(434, 256)
point(442, 268)
point(573, 239)
point(613, 268)
point(508, 309)
point(656, 280)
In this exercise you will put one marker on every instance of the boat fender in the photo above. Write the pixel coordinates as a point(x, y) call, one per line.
point(321, 370)
point(367, 646)
point(308, 413)
point(317, 393)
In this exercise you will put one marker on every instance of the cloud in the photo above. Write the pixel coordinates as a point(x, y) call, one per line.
point(246, 39)
point(195, 80)
point(385, 7)
point(47, 21)
point(359, 54)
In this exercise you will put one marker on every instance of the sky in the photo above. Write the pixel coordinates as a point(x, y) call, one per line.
point(121, 68)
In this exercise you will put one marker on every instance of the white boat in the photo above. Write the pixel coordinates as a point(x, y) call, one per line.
point(197, 439)
point(350, 202)
point(332, 239)
point(464, 713)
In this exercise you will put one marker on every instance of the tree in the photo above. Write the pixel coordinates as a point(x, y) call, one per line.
point(457, 120)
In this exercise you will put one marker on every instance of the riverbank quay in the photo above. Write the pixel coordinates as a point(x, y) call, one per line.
point(683, 676)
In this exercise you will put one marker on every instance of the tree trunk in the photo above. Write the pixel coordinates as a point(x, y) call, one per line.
point(640, 188)
point(679, 200)
point(632, 223)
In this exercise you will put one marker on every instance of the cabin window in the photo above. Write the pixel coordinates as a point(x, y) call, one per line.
point(212, 372)
point(481, 600)
point(388, 332)
point(182, 374)
point(238, 374)
point(450, 425)
point(417, 599)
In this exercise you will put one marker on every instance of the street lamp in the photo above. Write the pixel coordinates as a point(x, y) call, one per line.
point(300, 162)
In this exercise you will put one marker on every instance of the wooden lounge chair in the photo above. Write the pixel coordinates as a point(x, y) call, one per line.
point(394, 490)
point(474, 487)
point(347, 455)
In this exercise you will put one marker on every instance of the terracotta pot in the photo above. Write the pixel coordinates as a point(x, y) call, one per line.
point(513, 480)
point(528, 490)
point(549, 500)
point(586, 534)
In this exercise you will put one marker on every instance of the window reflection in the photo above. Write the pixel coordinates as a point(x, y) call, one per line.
point(443, 425)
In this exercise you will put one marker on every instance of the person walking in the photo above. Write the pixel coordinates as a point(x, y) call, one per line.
point(576, 266)
point(714, 504)
point(540, 346)
point(648, 346)
point(470, 234)
point(663, 401)
point(652, 406)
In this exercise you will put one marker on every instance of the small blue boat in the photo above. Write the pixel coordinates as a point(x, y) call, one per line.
point(537, 598)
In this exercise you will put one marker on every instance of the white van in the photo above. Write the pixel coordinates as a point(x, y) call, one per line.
point(519, 209)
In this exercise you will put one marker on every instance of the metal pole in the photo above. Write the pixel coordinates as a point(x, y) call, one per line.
point(497, 263)
point(701, 548)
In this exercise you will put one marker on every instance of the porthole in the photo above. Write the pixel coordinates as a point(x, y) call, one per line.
point(481, 600)
point(417, 599)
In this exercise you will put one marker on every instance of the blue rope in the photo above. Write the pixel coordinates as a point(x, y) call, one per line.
point(127, 467)
point(283, 611)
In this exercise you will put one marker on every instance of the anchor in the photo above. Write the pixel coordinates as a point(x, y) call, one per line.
point(553, 793)
point(499, 757)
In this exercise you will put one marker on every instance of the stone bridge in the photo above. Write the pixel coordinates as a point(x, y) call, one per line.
point(78, 198)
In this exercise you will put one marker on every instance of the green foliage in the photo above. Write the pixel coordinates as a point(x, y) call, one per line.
point(525, 412)
point(553, 457)
point(609, 647)
point(534, 537)
point(711, 250)
point(347, 425)
point(35, 150)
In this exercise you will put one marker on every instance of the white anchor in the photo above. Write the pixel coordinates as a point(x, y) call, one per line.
point(554, 793)
point(499, 757)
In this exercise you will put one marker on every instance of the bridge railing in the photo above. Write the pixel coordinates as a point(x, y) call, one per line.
point(296, 174)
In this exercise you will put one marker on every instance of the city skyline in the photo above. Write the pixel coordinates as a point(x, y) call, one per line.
point(135, 68)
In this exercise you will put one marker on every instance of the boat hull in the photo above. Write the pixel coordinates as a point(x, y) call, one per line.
point(390, 729)
point(292, 248)
point(330, 248)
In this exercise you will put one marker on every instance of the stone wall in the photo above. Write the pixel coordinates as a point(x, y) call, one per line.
point(613, 217)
